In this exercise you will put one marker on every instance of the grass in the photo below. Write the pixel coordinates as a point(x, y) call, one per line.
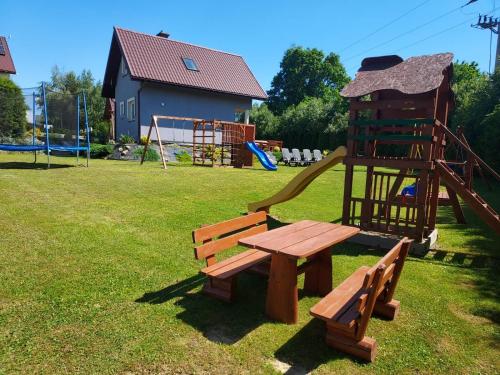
point(97, 276)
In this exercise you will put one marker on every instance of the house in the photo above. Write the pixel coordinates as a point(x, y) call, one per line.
point(6, 63)
point(153, 74)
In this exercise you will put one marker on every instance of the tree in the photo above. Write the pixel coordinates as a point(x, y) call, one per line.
point(13, 123)
point(266, 123)
point(469, 86)
point(314, 123)
point(477, 109)
point(306, 72)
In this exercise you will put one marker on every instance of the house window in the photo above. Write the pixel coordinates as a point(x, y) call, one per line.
point(122, 109)
point(189, 63)
point(239, 116)
point(131, 109)
point(124, 68)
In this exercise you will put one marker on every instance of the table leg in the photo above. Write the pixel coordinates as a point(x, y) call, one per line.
point(282, 294)
point(318, 278)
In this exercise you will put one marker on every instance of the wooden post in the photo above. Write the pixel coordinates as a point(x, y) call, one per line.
point(147, 141)
point(282, 293)
point(159, 142)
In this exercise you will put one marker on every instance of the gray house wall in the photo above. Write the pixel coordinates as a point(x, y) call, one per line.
point(161, 99)
point(125, 89)
point(185, 102)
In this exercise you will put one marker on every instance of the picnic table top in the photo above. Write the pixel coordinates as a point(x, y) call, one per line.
point(301, 239)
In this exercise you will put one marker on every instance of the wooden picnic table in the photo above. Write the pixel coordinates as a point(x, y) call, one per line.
point(306, 239)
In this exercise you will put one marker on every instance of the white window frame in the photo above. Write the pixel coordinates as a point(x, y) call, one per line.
point(131, 109)
point(124, 68)
point(122, 108)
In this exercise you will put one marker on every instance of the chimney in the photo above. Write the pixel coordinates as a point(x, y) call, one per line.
point(163, 34)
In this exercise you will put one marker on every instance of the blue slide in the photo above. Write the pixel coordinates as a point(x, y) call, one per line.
point(261, 155)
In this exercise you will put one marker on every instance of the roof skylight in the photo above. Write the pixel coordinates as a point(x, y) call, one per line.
point(189, 63)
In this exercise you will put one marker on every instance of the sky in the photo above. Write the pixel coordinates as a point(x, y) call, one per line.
point(76, 35)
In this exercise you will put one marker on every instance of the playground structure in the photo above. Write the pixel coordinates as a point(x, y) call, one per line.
point(56, 123)
point(399, 112)
point(300, 182)
point(262, 156)
point(215, 142)
point(229, 137)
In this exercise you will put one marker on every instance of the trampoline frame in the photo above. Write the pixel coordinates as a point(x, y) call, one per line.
point(48, 147)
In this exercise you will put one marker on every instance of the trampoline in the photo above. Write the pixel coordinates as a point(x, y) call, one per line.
point(51, 121)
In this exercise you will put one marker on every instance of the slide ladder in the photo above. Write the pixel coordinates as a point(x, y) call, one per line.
point(474, 200)
point(301, 181)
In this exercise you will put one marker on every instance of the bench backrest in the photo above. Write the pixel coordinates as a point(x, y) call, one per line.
point(317, 155)
point(307, 154)
point(380, 282)
point(224, 235)
point(296, 154)
point(286, 154)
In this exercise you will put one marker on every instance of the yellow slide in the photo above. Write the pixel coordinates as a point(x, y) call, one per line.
point(300, 182)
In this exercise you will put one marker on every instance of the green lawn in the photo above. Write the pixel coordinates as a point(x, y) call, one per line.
point(97, 275)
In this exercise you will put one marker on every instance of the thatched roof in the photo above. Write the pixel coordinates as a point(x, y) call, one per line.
point(412, 76)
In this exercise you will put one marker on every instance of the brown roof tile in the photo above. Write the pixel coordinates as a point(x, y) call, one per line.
point(158, 59)
point(6, 63)
point(412, 76)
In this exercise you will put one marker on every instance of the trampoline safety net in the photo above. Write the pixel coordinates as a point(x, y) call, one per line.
point(40, 119)
point(66, 122)
point(21, 118)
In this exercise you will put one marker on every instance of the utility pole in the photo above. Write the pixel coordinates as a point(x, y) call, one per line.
point(493, 24)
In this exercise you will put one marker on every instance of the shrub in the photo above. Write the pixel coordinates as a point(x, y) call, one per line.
point(100, 151)
point(326, 152)
point(13, 121)
point(144, 140)
point(151, 154)
point(100, 132)
point(278, 155)
point(125, 138)
point(276, 149)
point(183, 157)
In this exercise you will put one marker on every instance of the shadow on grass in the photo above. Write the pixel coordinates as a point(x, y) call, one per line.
point(33, 166)
point(307, 350)
point(218, 321)
point(222, 322)
point(172, 291)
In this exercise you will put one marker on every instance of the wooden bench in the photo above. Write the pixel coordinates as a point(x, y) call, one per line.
point(348, 308)
point(218, 237)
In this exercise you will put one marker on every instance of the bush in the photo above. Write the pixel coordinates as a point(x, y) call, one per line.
point(151, 154)
point(100, 132)
point(183, 157)
point(278, 155)
point(13, 121)
point(276, 149)
point(98, 151)
point(144, 140)
point(125, 138)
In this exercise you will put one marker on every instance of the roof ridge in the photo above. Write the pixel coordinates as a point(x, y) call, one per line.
point(177, 41)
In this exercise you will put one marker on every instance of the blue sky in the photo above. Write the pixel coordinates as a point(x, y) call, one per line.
point(76, 35)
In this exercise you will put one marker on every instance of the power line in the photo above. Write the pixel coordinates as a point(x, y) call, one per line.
point(404, 34)
point(439, 32)
point(435, 34)
point(384, 26)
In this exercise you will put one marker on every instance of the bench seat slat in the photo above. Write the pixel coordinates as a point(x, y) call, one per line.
point(236, 264)
point(341, 298)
